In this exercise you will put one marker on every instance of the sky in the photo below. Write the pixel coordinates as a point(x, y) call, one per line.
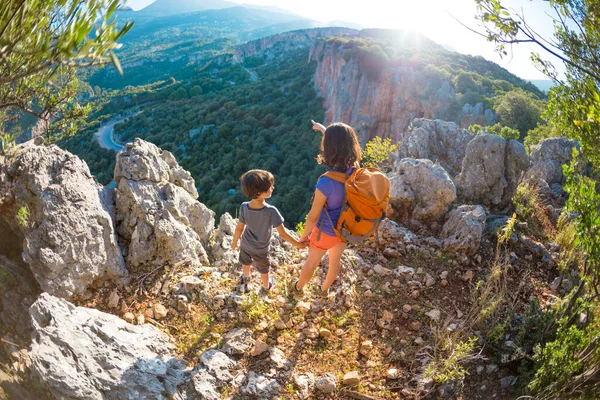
point(436, 19)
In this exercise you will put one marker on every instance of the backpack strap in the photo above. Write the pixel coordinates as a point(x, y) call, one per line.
point(336, 176)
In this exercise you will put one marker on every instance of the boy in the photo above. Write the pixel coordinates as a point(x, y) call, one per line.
point(256, 222)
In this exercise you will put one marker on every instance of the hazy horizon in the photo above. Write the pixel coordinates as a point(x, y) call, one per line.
point(435, 19)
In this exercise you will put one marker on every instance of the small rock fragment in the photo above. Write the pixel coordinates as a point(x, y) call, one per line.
point(351, 378)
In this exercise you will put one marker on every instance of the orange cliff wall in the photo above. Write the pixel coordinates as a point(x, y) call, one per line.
point(378, 104)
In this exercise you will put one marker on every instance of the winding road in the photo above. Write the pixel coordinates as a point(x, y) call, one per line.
point(104, 134)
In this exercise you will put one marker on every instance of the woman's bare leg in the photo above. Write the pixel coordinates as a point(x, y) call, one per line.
point(308, 269)
point(335, 255)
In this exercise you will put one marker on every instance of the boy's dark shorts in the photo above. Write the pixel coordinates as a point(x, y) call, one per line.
point(259, 260)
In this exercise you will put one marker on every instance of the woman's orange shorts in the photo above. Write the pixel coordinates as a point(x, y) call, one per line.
point(326, 242)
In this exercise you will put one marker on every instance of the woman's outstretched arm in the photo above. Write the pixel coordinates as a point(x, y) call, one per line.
point(317, 126)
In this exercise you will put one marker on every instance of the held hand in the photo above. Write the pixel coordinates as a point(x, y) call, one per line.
point(303, 245)
point(234, 246)
point(317, 126)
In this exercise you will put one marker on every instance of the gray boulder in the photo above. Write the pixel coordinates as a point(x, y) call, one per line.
point(549, 157)
point(18, 291)
point(158, 217)
point(68, 236)
point(82, 353)
point(463, 229)
point(420, 190)
point(439, 141)
point(490, 171)
point(516, 161)
point(221, 248)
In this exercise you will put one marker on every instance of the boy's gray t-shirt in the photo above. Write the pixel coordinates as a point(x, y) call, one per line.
point(259, 226)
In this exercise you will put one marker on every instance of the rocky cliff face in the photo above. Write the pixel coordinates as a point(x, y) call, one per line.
point(381, 99)
point(290, 40)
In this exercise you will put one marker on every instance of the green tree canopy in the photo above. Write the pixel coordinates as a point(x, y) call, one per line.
point(42, 43)
point(519, 110)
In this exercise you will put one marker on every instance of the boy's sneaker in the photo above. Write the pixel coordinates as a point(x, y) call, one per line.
point(244, 281)
point(298, 293)
point(264, 290)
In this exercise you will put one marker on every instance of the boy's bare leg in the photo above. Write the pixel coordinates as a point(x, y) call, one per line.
point(265, 280)
point(308, 269)
point(246, 270)
point(335, 255)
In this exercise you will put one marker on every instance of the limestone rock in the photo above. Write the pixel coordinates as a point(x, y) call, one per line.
point(420, 190)
point(204, 385)
point(434, 314)
point(218, 364)
point(516, 162)
point(189, 284)
point(326, 383)
point(304, 383)
point(436, 140)
point(221, 249)
point(383, 103)
point(238, 341)
point(143, 161)
point(79, 354)
point(157, 215)
point(549, 157)
point(259, 348)
point(482, 175)
point(18, 291)
point(490, 171)
point(277, 356)
point(351, 378)
point(69, 238)
point(261, 387)
point(463, 229)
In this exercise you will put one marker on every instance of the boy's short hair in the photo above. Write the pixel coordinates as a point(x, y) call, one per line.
point(256, 181)
point(339, 147)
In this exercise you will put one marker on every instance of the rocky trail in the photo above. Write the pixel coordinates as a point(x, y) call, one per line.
point(131, 292)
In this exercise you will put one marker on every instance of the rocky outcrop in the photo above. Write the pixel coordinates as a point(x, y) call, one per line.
point(436, 140)
point(548, 158)
point(158, 217)
point(463, 229)
point(18, 291)
point(379, 97)
point(420, 190)
point(221, 248)
point(82, 353)
point(490, 171)
point(289, 40)
point(54, 205)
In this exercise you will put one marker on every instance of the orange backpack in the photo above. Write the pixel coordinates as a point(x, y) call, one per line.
point(364, 206)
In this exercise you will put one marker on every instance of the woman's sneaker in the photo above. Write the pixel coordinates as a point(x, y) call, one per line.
point(324, 294)
point(298, 293)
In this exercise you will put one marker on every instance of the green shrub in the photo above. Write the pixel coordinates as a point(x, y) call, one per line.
point(377, 151)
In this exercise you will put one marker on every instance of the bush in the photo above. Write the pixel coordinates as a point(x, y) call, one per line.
point(377, 152)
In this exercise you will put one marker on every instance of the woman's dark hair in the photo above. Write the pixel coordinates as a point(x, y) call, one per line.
point(339, 147)
point(256, 181)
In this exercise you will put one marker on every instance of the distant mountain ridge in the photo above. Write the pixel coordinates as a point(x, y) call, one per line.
point(161, 8)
